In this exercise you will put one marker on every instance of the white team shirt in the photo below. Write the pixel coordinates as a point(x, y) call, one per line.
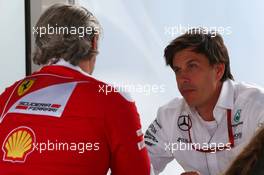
point(169, 136)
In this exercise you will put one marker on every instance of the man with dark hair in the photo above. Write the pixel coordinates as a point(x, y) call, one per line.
point(61, 120)
point(207, 128)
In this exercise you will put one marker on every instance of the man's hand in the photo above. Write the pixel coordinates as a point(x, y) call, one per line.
point(191, 173)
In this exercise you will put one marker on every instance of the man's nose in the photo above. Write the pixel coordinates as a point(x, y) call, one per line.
point(184, 76)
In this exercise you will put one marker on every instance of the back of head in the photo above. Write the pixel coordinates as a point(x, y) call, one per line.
point(249, 161)
point(65, 31)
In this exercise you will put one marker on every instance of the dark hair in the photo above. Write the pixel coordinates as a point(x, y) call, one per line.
point(67, 22)
point(202, 41)
point(251, 159)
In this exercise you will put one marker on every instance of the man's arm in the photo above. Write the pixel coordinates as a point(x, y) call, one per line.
point(128, 152)
point(156, 141)
point(5, 96)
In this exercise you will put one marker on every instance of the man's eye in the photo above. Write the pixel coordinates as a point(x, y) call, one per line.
point(176, 70)
point(193, 65)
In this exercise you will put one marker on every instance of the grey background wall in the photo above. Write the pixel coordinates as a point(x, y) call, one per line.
point(12, 34)
point(12, 45)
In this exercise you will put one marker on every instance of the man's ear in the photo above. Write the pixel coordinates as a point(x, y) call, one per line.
point(220, 70)
point(95, 42)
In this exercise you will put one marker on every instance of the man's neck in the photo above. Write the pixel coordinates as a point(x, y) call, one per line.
point(206, 110)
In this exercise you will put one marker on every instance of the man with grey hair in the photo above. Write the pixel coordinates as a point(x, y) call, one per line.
point(61, 120)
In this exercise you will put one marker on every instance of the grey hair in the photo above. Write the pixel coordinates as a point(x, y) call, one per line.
point(51, 45)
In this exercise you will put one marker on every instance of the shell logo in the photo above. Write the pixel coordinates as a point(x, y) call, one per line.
point(25, 86)
point(18, 144)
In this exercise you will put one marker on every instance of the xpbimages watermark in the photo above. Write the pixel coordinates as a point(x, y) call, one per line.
point(63, 30)
point(205, 147)
point(79, 147)
point(182, 29)
point(145, 89)
point(21, 142)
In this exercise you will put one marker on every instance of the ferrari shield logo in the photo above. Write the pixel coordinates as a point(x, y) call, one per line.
point(25, 86)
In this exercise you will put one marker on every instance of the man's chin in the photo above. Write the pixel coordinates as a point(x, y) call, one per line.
point(191, 103)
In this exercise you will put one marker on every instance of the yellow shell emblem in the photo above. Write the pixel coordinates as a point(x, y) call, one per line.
point(25, 86)
point(18, 144)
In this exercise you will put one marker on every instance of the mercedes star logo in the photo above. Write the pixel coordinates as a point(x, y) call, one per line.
point(184, 122)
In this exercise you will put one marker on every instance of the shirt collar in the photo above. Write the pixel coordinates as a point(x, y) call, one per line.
point(64, 63)
point(226, 97)
point(225, 100)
